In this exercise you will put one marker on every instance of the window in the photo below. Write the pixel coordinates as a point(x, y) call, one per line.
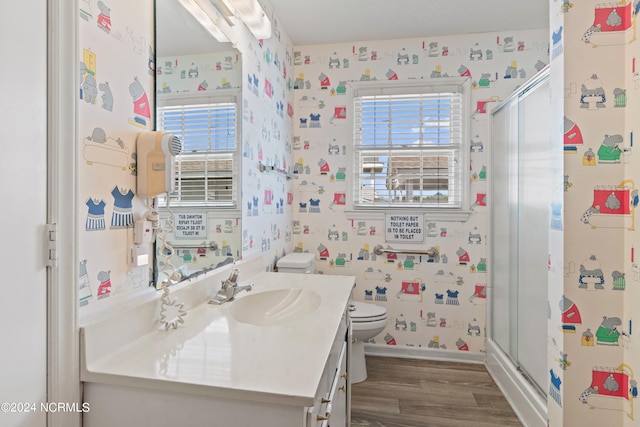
point(208, 126)
point(410, 145)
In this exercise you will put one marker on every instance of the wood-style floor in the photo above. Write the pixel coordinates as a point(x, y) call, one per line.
point(424, 393)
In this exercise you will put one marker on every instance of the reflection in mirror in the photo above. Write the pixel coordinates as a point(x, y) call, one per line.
point(198, 94)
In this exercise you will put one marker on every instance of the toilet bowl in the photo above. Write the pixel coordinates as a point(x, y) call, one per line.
point(367, 321)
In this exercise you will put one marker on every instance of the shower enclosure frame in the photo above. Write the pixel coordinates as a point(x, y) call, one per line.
point(519, 376)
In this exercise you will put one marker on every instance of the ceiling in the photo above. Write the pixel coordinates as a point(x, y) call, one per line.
point(338, 21)
point(311, 22)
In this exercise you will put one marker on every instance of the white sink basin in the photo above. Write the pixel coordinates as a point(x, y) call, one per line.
point(275, 307)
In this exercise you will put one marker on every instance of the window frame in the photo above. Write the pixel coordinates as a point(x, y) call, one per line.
point(441, 85)
point(232, 95)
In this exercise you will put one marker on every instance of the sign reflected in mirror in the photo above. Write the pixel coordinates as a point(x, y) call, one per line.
point(198, 98)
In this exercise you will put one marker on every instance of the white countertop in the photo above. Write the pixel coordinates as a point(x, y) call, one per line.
point(212, 354)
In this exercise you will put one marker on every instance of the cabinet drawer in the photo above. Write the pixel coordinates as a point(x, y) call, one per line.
point(336, 349)
point(331, 395)
point(330, 407)
point(337, 407)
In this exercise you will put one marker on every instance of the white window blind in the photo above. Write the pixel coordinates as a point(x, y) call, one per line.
point(205, 169)
point(408, 148)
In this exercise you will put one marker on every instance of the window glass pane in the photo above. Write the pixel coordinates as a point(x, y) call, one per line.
point(204, 170)
point(408, 149)
point(202, 127)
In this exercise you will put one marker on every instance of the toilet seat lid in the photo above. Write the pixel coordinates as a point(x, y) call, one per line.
point(367, 312)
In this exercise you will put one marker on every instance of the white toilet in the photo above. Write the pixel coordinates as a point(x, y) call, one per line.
point(297, 262)
point(367, 320)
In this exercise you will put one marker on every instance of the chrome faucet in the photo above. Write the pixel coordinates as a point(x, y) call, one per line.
point(230, 289)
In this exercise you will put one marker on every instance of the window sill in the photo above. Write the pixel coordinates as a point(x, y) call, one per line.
point(429, 214)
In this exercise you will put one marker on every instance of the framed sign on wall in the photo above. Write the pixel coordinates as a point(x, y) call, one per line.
point(404, 228)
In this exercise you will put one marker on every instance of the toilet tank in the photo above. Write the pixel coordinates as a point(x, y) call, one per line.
point(297, 262)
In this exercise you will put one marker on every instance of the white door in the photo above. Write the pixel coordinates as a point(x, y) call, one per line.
point(23, 192)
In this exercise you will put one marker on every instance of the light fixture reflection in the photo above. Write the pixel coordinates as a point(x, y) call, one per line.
point(209, 12)
point(206, 15)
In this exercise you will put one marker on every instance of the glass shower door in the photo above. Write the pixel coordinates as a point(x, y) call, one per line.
point(534, 216)
point(504, 167)
point(520, 228)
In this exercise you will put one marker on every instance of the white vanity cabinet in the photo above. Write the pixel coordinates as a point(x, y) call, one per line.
point(218, 372)
point(333, 398)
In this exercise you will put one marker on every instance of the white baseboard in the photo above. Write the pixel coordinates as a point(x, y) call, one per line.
point(528, 405)
point(422, 353)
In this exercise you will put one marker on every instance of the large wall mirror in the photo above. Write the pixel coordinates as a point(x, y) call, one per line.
point(198, 98)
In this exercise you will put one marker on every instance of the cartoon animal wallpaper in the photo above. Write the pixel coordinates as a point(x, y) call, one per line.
point(114, 105)
point(296, 143)
point(594, 278)
point(119, 77)
point(431, 302)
